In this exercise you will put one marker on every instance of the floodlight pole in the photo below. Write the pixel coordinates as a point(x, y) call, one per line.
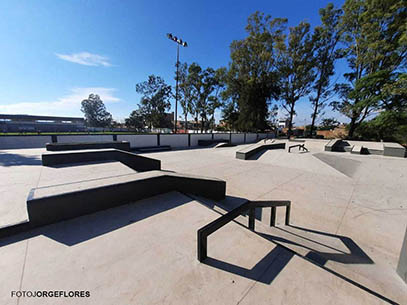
point(184, 44)
point(176, 91)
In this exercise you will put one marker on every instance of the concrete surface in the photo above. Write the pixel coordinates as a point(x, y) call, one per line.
point(402, 265)
point(348, 214)
point(145, 253)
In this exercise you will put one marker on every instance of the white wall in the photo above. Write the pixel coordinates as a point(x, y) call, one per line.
point(221, 136)
point(237, 138)
point(195, 137)
point(251, 137)
point(85, 138)
point(139, 140)
point(15, 142)
point(174, 140)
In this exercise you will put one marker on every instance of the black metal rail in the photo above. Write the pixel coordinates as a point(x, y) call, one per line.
point(249, 206)
point(300, 146)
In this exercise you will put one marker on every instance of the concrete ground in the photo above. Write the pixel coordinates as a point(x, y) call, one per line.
point(348, 219)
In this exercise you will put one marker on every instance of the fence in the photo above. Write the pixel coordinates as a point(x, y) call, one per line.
point(135, 140)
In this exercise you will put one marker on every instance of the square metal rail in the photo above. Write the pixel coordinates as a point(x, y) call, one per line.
point(249, 207)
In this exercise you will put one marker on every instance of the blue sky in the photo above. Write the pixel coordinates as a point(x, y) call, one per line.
point(54, 53)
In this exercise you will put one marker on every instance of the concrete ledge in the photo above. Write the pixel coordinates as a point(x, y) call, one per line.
point(47, 205)
point(331, 145)
point(246, 153)
point(357, 149)
point(146, 149)
point(394, 150)
point(80, 146)
point(136, 162)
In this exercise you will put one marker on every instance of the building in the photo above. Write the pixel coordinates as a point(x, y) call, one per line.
point(36, 123)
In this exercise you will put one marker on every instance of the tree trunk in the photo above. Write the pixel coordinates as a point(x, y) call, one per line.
point(314, 115)
point(290, 123)
point(352, 127)
point(186, 122)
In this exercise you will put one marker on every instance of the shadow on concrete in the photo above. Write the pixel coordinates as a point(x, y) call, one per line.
point(257, 155)
point(345, 166)
point(265, 271)
point(80, 229)
point(355, 255)
point(7, 159)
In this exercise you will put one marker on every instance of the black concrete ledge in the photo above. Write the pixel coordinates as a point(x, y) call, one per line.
point(52, 204)
point(147, 149)
point(124, 145)
point(136, 162)
point(246, 153)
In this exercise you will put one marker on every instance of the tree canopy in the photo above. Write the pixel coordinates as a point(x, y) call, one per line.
point(95, 112)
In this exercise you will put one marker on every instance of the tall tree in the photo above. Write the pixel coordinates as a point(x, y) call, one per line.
point(155, 100)
point(296, 68)
point(252, 74)
point(375, 37)
point(186, 92)
point(325, 40)
point(95, 112)
point(136, 120)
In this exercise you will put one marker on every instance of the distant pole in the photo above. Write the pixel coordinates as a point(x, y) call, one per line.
point(184, 44)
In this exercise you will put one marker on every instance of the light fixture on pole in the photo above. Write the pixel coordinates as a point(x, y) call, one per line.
point(184, 44)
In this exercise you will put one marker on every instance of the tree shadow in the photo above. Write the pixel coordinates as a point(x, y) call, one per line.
point(7, 159)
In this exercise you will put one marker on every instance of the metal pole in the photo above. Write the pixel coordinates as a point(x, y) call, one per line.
point(176, 91)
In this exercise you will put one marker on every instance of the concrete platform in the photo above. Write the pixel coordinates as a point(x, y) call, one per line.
point(145, 253)
point(337, 197)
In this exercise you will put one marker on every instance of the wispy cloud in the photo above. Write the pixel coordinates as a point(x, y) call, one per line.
point(68, 105)
point(86, 58)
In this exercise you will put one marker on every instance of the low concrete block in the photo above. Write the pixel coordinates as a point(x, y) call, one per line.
point(136, 162)
point(81, 146)
point(330, 146)
point(357, 149)
point(246, 153)
point(394, 150)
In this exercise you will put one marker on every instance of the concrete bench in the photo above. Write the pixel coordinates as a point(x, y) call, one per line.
point(136, 162)
point(246, 153)
point(51, 204)
point(81, 146)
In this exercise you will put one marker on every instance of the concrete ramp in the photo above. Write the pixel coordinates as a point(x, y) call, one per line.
point(346, 166)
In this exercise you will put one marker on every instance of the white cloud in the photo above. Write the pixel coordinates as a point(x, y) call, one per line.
point(86, 58)
point(68, 105)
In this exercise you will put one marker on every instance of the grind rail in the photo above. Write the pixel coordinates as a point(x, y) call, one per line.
point(249, 206)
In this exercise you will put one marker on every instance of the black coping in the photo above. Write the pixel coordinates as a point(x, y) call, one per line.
point(123, 145)
point(152, 148)
point(63, 205)
point(246, 153)
point(136, 162)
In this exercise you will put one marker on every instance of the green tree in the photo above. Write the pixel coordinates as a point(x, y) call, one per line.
point(296, 69)
point(136, 120)
point(155, 100)
point(186, 92)
point(252, 74)
point(375, 38)
point(325, 40)
point(95, 112)
point(328, 124)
